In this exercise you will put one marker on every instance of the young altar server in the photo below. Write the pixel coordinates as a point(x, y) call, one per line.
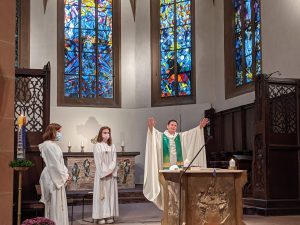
point(105, 197)
point(54, 177)
point(169, 150)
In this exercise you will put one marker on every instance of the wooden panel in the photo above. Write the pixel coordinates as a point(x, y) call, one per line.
point(249, 128)
point(32, 98)
point(238, 131)
point(283, 175)
point(228, 133)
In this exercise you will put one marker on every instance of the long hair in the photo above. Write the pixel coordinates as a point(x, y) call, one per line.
point(100, 139)
point(51, 131)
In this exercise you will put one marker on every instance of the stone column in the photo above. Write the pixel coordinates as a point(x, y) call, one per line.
point(7, 95)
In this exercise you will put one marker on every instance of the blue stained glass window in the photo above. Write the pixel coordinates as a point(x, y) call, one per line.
point(247, 40)
point(88, 48)
point(71, 86)
point(175, 48)
point(184, 81)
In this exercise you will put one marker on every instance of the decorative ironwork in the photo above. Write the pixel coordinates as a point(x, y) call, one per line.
point(283, 108)
point(29, 100)
point(259, 179)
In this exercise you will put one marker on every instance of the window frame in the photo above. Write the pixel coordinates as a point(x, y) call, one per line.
point(62, 100)
point(23, 27)
point(156, 99)
point(231, 90)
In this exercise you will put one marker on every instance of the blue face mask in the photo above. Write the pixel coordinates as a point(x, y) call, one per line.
point(58, 136)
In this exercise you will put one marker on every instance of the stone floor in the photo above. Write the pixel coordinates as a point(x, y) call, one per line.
point(148, 214)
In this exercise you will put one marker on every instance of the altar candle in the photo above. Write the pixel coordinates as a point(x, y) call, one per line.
point(232, 163)
point(20, 120)
point(69, 144)
point(122, 143)
point(82, 145)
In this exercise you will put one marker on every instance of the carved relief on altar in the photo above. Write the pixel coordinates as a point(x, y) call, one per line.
point(212, 201)
point(126, 171)
point(82, 171)
point(81, 167)
point(173, 200)
point(213, 206)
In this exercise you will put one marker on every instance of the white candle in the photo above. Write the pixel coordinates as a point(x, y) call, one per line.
point(122, 143)
point(186, 163)
point(82, 145)
point(69, 144)
point(232, 163)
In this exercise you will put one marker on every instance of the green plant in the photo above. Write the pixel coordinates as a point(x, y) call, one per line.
point(21, 163)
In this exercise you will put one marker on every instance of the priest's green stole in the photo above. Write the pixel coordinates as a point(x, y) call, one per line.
point(166, 152)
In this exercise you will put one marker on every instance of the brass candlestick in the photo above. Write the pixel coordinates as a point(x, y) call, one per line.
point(20, 170)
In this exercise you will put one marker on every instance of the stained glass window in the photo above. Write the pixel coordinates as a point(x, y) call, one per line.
point(247, 40)
point(88, 49)
point(175, 48)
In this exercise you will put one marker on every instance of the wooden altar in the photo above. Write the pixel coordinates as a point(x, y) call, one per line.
point(207, 197)
point(81, 167)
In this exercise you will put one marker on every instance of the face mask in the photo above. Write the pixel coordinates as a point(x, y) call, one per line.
point(105, 137)
point(58, 136)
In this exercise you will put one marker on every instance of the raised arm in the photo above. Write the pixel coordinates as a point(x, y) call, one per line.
point(151, 123)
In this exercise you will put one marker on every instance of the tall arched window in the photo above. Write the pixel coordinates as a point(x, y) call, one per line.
point(88, 52)
point(172, 39)
point(243, 56)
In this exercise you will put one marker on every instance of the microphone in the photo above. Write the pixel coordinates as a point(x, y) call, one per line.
point(270, 74)
point(190, 164)
point(267, 76)
point(184, 171)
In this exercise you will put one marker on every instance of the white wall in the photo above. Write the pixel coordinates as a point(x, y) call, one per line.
point(280, 46)
point(129, 122)
point(281, 37)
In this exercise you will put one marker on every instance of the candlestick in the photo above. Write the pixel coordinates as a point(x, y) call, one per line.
point(122, 143)
point(82, 146)
point(232, 164)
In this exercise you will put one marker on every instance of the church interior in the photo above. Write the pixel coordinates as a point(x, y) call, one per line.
point(85, 64)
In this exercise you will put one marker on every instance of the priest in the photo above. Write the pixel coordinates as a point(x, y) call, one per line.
point(170, 150)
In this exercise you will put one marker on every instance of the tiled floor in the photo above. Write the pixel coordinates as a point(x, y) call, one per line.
point(148, 214)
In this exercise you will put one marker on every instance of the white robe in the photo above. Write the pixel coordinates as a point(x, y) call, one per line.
point(191, 141)
point(105, 195)
point(52, 181)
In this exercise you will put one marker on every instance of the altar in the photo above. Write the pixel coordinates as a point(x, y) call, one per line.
point(208, 196)
point(81, 167)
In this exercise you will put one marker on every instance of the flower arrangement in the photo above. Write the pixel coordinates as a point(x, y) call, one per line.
point(38, 221)
point(21, 163)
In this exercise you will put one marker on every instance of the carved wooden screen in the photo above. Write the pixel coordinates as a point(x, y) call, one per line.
point(276, 139)
point(32, 99)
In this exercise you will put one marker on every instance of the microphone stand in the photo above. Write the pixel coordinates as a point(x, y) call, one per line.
point(184, 171)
